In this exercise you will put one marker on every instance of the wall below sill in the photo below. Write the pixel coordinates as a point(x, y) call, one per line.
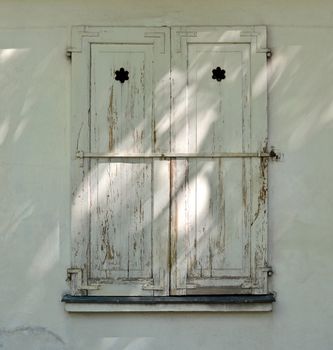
point(220, 303)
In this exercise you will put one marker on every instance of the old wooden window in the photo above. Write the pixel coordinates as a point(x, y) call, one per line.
point(169, 161)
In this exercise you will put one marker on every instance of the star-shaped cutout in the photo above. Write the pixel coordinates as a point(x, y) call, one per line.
point(121, 75)
point(218, 74)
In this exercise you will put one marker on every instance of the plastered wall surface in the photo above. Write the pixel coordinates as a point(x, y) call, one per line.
point(35, 179)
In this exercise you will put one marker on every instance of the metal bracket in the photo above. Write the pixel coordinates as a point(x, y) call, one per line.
point(275, 155)
point(269, 54)
point(79, 154)
point(268, 270)
point(69, 52)
point(75, 277)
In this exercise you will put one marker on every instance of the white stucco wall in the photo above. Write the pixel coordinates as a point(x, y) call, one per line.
point(35, 187)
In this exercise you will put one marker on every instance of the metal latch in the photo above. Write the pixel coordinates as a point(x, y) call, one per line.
point(69, 53)
point(269, 54)
point(169, 156)
point(275, 155)
point(269, 271)
point(75, 277)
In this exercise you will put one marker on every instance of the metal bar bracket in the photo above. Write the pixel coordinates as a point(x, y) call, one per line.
point(274, 155)
point(69, 52)
point(269, 54)
point(167, 156)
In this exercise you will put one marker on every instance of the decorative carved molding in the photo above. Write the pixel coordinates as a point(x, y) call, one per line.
point(157, 35)
point(258, 38)
point(181, 37)
point(79, 33)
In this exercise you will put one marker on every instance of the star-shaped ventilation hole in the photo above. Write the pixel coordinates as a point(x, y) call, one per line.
point(121, 75)
point(218, 74)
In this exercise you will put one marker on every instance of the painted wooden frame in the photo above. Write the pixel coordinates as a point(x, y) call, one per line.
point(255, 170)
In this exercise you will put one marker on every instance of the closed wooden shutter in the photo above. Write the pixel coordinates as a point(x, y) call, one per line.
point(169, 188)
point(123, 245)
point(219, 208)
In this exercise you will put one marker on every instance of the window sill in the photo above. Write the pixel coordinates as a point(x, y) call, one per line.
point(216, 303)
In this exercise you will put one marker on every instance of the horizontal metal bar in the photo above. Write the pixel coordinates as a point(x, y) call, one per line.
point(178, 155)
point(200, 299)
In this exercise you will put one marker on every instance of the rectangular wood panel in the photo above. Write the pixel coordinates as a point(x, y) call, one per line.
point(124, 245)
point(150, 226)
point(121, 192)
point(211, 208)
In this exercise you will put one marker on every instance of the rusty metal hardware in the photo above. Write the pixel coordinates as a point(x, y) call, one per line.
point(121, 75)
point(268, 270)
point(218, 74)
point(75, 277)
point(165, 156)
point(69, 52)
point(275, 155)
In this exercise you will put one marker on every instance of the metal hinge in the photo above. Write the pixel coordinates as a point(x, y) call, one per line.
point(269, 54)
point(75, 277)
point(69, 52)
point(268, 270)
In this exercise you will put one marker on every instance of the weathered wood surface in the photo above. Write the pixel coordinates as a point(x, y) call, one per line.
point(213, 201)
point(126, 225)
point(140, 223)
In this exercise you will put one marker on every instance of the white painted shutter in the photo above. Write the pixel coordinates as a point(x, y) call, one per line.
point(218, 208)
point(122, 228)
point(120, 217)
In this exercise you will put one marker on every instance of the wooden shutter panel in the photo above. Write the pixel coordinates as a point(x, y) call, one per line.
point(219, 208)
point(121, 223)
point(121, 206)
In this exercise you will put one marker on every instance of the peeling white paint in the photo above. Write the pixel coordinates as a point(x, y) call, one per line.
point(35, 190)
